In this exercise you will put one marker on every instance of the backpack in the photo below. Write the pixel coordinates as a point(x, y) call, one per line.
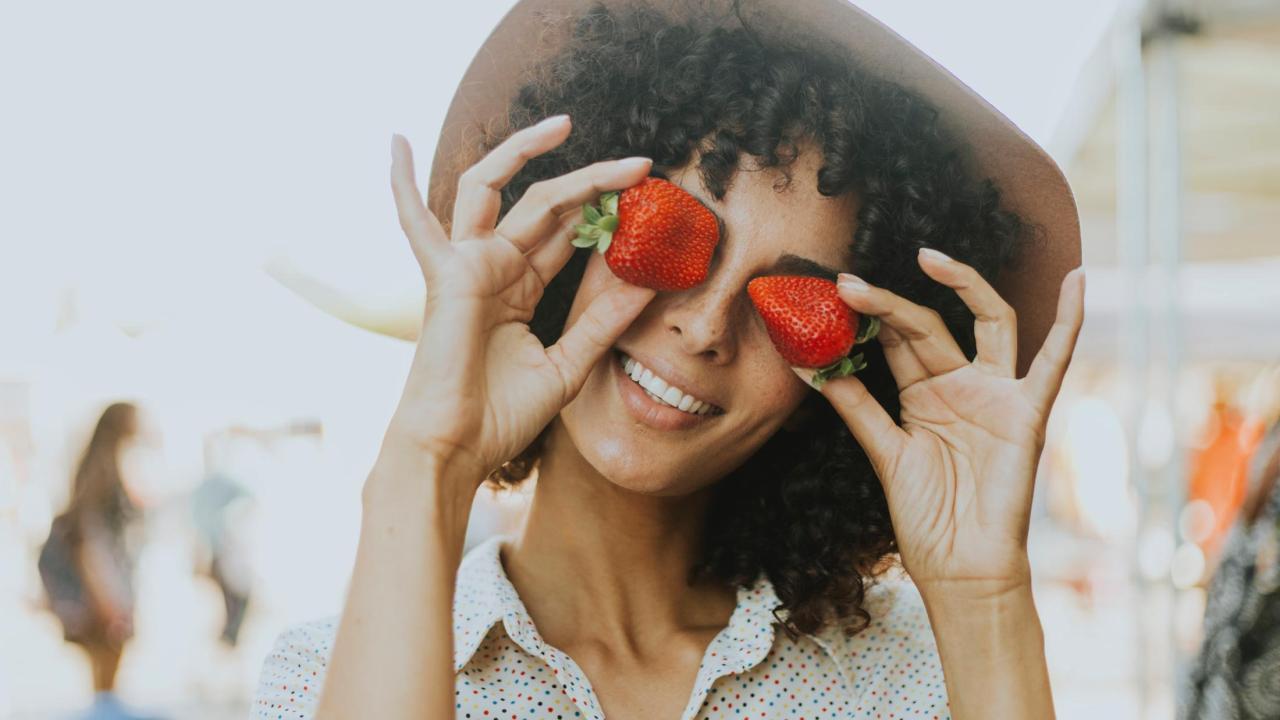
point(63, 583)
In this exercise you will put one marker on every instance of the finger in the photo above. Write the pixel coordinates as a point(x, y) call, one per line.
point(538, 211)
point(549, 257)
point(873, 428)
point(479, 196)
point(904, 365)
point(1044, 379)
point(595, 332)
point(418, 223)
point(921, 327)
point(995, 326)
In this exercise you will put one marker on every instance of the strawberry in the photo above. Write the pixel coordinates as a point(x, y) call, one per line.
point(810, 325)
point(654, 234)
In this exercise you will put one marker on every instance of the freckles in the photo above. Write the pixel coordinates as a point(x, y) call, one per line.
point(782, 391)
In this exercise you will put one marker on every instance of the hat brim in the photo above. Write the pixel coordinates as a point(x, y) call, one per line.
point(1030, 181)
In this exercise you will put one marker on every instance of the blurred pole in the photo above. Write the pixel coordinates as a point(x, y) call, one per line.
point(1167, 457)
point(1131, 234)
point(1149, 178)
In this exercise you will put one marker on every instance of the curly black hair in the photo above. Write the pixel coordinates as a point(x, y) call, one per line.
point(806, 509)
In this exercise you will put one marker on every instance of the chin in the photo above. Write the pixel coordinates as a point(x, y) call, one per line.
point(635, 465)
point(629, 467)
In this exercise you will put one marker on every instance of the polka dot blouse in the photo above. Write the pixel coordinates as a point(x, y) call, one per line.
point(752, 670)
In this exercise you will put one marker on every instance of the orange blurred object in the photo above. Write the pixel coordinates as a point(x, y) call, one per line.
point(1219, 469)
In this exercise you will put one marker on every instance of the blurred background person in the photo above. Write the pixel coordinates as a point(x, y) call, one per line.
point(220, 509)
point(87, 563)
point(1237, 673)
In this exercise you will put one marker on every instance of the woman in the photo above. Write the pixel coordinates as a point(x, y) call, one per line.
point(716, 565)
point(87, 565)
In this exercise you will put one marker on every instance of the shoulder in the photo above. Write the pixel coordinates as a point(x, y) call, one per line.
point(293, 672)
point(892, 665)
point(289, 684)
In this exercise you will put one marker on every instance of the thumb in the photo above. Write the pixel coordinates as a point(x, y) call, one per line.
point(595, 331)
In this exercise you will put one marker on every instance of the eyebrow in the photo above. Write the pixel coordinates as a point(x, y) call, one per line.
point(788, 264)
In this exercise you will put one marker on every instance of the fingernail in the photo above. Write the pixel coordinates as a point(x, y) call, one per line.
point(635, 162)
point(806, 374)
point(935, 255)
point(553, 120)
point(852, 283)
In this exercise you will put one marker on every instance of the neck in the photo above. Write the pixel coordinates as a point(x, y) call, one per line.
point(591, 549)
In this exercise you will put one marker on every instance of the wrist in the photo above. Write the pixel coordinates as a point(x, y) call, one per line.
point(976, 599)
point(410, 486)
point(996, 617)
point(998, 584)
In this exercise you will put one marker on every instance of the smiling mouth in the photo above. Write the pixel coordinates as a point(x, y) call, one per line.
point(661, 391)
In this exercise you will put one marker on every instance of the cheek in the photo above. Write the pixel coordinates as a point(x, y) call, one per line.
point(770, 376)
point(775, 389)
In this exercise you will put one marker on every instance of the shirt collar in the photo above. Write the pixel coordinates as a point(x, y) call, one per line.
point(743, 644)
point(485, 596)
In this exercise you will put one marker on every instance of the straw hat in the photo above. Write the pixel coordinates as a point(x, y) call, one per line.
point(1031, 183)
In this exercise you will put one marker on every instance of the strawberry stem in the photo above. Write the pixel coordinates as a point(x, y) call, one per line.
point(600, 224)
point(843, 367)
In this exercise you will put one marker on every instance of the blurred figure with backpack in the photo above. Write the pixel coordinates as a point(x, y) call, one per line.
point(87, 563)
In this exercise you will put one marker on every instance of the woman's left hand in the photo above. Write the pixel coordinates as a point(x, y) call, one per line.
point(959, 472)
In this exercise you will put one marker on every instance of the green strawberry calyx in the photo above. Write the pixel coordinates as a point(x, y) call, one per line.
point(843, 367)
point(868, 329)
point(846, 366)
point(600, 224)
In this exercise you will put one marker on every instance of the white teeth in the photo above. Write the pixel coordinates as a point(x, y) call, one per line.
point(658, 389)
point(657, 386)
point(673, 396)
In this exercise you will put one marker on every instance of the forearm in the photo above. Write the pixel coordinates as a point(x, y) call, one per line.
point(992, 650)
point(393, 655)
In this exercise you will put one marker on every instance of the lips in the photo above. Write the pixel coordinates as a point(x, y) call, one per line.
point(660, 390)
point(652, 411)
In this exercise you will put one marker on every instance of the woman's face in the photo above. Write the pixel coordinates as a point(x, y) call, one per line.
point(708, 341)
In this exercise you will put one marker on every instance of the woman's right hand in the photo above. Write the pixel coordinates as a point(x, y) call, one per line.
point(482, 386)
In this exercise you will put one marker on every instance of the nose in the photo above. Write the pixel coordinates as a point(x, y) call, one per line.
point(704, 319)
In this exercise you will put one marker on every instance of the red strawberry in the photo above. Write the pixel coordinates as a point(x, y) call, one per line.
point(810, 325)
point(655, 235)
